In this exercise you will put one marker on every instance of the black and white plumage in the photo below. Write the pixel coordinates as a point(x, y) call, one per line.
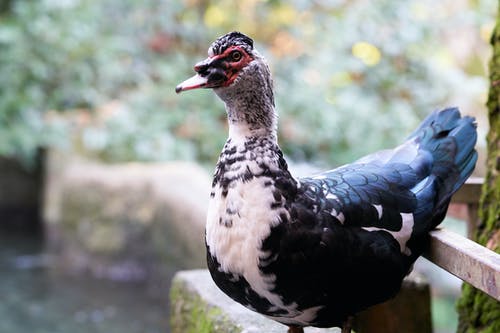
point(315, 251)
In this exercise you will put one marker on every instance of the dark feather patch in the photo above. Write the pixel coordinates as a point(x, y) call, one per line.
point(232, 39)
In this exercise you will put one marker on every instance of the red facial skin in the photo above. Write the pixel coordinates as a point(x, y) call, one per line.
point(233, 65)
point(226, 67)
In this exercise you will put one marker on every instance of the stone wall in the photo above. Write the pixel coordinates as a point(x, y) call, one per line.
point(130, 222)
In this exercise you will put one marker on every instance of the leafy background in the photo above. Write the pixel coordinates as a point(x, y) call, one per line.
point(350, 76)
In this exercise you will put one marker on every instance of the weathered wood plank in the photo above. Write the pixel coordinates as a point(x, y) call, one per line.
point(467, 260)
point(470, 192)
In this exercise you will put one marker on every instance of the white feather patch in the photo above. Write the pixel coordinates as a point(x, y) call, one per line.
point(338, 215)
point(332, 196)
point(237, 248)
point(403, 235)
point(379, 210)
point(304, 317)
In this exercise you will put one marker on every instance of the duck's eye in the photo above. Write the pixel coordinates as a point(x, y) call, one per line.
point(235, 56)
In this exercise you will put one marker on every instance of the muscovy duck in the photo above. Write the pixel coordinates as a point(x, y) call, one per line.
point(314, 251)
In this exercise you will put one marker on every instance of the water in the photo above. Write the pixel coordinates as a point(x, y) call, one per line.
point(36, 298)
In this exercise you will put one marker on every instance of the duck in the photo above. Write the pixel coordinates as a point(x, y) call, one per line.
point(316, 250)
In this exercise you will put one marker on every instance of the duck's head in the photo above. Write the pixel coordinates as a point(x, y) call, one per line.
point(229, 57)
point(239, 75)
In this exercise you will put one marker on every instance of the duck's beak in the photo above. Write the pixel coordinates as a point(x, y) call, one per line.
point(193, 82)
point(211, 73)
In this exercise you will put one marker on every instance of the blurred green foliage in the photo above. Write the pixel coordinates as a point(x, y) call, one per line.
point(350, 76)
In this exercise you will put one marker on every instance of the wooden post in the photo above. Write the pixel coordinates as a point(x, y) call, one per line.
point(469, 194)
point(21, 194)
point(409, 311)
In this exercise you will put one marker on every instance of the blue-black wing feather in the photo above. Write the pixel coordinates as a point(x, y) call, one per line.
point(418, 177)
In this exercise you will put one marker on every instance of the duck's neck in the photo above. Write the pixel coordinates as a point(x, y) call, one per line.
point(250, 118)
point(250, 103)
point(240, 132)
point(251, 150)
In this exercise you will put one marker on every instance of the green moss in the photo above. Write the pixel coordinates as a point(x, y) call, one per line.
point(479, 312)
point(191, 314)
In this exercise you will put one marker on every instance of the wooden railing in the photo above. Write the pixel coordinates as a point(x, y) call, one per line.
point(467, 260)
point(475, 264)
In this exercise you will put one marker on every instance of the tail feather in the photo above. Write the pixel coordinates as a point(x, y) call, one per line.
point(449, 139)
point(468, 167)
